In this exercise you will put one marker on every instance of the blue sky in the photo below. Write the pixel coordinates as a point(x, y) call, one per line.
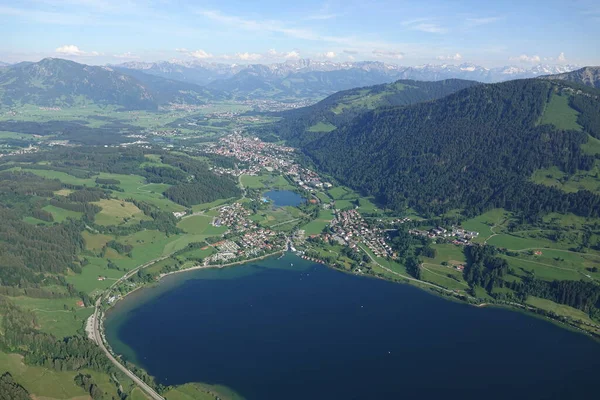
point(489, 33)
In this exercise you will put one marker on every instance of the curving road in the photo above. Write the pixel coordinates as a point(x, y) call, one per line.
point(99, 339)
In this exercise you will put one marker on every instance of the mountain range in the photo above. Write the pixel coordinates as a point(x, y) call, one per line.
point(58, 82)
point(588, 76)
point(202, 73)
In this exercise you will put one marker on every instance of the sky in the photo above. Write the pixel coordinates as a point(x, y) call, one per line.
point(488, 33)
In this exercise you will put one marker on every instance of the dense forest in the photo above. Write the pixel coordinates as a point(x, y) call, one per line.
point(473, 150)
point(342, 107)
point(11, 390)
point(203, 185)
point(20, 335)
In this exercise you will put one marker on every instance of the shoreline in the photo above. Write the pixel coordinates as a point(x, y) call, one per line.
point(445, 294)
point(195, 268)
point(199, 267)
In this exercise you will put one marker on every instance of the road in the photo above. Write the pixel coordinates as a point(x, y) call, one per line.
point(97, 335)
point(100, 341)
point(410, 278)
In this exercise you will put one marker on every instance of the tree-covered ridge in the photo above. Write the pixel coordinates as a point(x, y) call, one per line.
point(474, 149)
point(203, 186)
point(589, 76)
point(298, 125)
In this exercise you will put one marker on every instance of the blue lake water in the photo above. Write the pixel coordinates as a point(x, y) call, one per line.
point(283, 198)
point(276, 331)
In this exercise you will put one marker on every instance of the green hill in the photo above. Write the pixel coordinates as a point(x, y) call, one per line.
point(309, 123)
point(473, 150)
point(589, 76)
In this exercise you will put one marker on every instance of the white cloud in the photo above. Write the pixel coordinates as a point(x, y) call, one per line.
point(424, 25)
point(329, 54)
point(126, 55)
point(352, 52)
point(388, 54)
point(288, 55)
point(524, 58)
point(248, 56)
point(270, 26)
point(561, 57)
point(72, 50)
point(473, 22)
point(182, 50)
point(292, 55)
point(200, 54)
point(455, 57)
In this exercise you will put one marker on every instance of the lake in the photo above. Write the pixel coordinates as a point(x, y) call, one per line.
point(283, 198)
point(276, 331)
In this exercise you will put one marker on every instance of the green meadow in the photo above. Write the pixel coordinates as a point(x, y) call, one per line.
point(559, 113)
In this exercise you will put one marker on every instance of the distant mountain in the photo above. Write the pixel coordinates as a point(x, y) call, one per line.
point(302, 125)
point(480, 74)
point(589, 76)
point(314, 79)
point(58, 82)
point(196, 73)
point(262, 82)
point(472, 150)
point(167, 91)
point(3, 64)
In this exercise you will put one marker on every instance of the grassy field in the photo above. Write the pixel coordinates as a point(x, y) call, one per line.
point(52, 317)
point(47, 384)
point(87, 281)
point(346, 198)
point(559, 309)
point(265, 181)
point(556, 264)
point(206, 206)
point(592, 146)
point(268, 218)
point(541, 270)
point(322, 127)
point(581, 180)
point(95, 242)
point(201, 225)
point(513, 242)
point(316, 226)
point(484, 223)
point(201, 391)
point(448, 253)
point(35, 221)
point(117, 212)
point(60, 214)
point(560, 114)
point(446, 277)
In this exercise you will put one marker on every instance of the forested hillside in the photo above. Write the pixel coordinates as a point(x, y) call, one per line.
point(300, 126)
point(472, 150)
